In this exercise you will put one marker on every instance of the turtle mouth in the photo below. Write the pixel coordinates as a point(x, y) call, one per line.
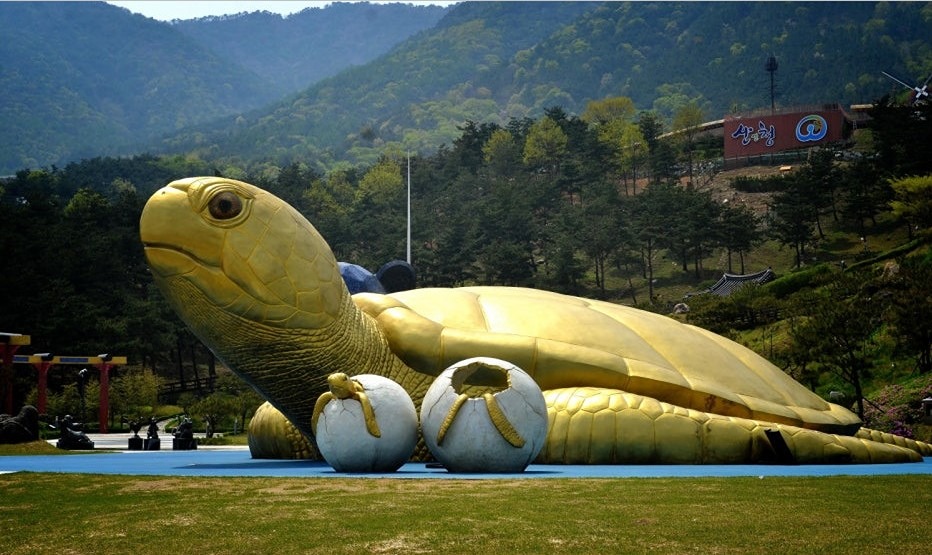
point(252, 301)
point(170, 260)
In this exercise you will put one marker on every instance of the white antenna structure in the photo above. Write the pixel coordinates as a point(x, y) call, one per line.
point(922, 92)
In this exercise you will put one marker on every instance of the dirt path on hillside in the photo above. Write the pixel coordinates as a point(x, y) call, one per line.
point(720, 186)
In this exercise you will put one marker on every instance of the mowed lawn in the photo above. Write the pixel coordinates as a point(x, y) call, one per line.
point(69, 513)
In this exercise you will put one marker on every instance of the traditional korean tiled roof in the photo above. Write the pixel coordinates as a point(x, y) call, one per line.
point(729, 283)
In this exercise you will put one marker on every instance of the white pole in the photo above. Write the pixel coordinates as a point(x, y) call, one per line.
point(409, 207)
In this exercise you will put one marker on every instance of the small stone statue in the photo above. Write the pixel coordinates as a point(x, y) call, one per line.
point(185, 430)
point(153, 443)
point(135, 425)
point(21, 428)
point(135, 443)
point(72, 435)
point(184, 436)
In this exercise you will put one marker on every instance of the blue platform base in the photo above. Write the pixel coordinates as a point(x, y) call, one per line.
point(237, 462)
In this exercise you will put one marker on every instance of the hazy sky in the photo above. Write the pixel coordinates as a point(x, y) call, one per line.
point(169, 10)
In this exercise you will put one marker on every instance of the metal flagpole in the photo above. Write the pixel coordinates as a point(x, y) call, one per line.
point(409, 207)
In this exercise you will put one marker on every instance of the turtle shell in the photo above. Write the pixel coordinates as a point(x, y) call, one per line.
point(565, 341)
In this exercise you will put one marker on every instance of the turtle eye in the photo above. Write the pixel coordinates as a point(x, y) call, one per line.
point(225, 205)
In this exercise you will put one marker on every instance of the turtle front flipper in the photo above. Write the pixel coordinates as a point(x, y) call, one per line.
point(590, 425)
point(272, 436)
point(496, 416)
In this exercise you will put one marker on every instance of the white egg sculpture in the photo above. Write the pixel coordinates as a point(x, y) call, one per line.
point(497, 426)
point(366, 423)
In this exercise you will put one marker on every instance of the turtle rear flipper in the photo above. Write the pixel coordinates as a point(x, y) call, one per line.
point(626, 428)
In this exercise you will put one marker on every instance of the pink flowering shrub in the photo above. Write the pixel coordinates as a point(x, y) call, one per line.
point(898, 409)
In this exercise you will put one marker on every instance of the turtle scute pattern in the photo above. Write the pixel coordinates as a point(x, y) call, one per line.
point(626, 428)
point(920, 447)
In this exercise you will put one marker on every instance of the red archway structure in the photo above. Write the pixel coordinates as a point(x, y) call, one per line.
point(104, 363)
point(9, 344)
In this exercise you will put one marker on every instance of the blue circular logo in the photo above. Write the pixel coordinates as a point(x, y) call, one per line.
point(811, 128)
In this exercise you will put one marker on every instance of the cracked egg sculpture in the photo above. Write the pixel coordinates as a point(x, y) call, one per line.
point(497, 428)
point(366, 423)
point(253, 279)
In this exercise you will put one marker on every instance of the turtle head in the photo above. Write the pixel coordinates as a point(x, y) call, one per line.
point(341, 386)
point(225, 251)
point(255, 282)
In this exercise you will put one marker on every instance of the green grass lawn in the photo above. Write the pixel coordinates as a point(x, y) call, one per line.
point(39, 447)
point(62, 513)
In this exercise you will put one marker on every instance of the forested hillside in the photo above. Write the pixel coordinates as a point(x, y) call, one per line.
point(489, 62)
point(291, 53)
point(86, 78)
point(663, 55)
point(83, 79)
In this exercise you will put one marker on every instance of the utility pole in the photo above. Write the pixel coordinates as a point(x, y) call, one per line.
point(408, 259)
point(771, 67)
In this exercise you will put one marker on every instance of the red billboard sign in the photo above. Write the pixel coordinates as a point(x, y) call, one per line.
point(754, 135)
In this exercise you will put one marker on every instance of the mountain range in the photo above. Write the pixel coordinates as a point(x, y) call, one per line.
point(343, 83)
point(83, 79)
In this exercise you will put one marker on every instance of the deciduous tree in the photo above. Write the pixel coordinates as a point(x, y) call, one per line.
point(912, 200)
point(686, 120)
point(909, 307)
point(739, 231)
point(792, 217)
point(545, 146)
point(839, 328)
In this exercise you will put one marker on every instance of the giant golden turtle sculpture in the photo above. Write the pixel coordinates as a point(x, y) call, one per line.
point(255, 281)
